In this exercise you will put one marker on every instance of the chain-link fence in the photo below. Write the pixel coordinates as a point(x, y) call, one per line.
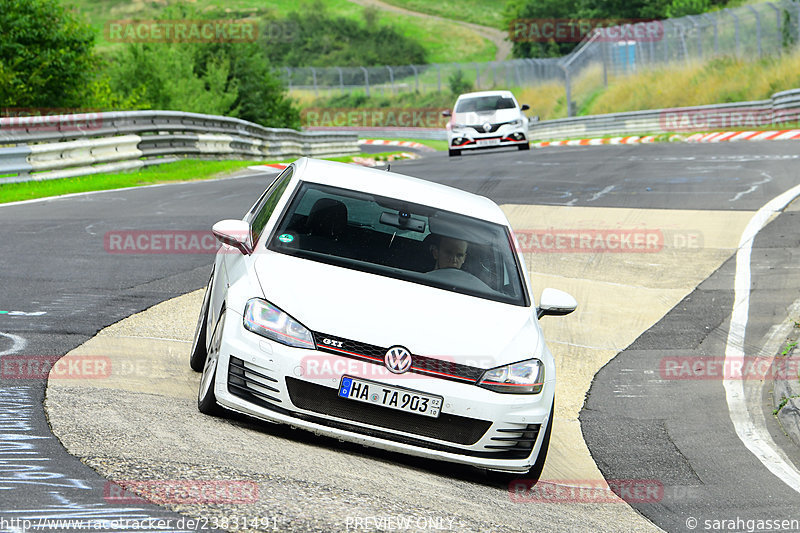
point(751, 31)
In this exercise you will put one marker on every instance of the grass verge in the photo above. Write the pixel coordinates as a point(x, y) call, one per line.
point(183, 170)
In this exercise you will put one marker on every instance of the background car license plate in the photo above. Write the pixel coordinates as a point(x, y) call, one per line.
point(485, 142)
point(407, 400)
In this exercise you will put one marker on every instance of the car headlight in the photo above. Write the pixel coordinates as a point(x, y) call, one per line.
point(458, 127)
point(516, 123)
point(525, 377)
point(269, 321)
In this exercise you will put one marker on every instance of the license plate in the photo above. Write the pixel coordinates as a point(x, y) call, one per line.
point(487, 142)
point(407, 400)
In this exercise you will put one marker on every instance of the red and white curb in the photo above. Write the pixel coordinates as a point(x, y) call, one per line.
point(733, 136)
point(593, 142)
point(406, 144)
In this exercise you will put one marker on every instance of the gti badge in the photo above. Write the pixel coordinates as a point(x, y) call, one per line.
point(397, 360)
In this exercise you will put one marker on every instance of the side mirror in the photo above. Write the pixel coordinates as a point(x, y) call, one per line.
point(234, 233)
point(447, 113)
point(555, 302)
point(525, 107)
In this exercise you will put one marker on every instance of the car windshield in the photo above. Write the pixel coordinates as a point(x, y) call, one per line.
point(484, 103)
point(401, 240)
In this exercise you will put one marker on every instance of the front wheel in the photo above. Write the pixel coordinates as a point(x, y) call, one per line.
point(206, 399)
point(198, 358)
point(525, 146)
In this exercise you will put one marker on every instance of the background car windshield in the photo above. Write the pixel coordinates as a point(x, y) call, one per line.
point(484, 103)
point(402, 240)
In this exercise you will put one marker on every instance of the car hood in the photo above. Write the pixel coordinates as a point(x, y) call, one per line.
point(494, 117)
point(386, 312)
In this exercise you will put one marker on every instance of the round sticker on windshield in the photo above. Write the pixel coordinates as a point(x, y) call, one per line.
point(286, 237)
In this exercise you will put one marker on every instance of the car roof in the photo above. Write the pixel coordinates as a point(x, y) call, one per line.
point(394, 185)
point(506, 94)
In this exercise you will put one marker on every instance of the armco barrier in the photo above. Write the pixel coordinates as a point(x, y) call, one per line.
point(39, 148)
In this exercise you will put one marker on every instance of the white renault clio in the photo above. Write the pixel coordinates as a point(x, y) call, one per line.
point(384, 310)
point(487, 119)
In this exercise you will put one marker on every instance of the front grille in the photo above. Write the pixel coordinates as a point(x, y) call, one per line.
point(429, 366)
point(325, 400)
point(250, 383)
point(479, 127)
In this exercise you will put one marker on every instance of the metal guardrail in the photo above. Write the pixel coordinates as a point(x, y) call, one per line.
point(782, 107)
point(40, 148)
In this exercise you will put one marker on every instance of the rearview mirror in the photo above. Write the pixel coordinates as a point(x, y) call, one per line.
point(234, 233)
point(555, 302)
point(525, 107)
point(446, 113)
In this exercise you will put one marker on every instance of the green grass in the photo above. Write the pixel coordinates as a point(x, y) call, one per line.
point(442, 41)
point(483, 12)
point(432, 143)
point(183, 170)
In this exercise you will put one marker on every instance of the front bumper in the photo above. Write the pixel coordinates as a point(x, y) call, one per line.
point(468, 138)
point(478, 427)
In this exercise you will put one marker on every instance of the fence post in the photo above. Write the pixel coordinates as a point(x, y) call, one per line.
point(568, 88)
point(341, 79)
point(477, 76)
point(778, 24)
point(289, 77)
point(391, 79)
point(314, 77)
point(439, 74)
point(758, 28)
point(366, 80)
point(416, 78)
point(735, 27)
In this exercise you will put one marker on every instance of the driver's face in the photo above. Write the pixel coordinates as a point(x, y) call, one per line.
point(451, 253)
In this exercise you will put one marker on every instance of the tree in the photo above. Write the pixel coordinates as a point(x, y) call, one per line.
point(46, 57)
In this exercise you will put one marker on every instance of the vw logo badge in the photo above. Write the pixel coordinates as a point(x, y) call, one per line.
point(397, 360)
point(487, 127)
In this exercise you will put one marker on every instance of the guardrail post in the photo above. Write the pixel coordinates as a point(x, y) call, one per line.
point(366, 80)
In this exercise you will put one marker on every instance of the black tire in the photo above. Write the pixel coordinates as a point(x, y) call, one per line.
point(452, 152)
point(206, 399)
point(198, 358)
point(536, 470)
point(526, 146)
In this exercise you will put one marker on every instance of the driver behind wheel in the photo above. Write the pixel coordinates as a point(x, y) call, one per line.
point(448, 252)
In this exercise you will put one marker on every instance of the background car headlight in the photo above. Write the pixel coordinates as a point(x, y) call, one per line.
point(269, 321)
point(525, 377)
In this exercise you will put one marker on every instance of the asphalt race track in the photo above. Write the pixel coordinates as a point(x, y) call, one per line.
point(64, 281)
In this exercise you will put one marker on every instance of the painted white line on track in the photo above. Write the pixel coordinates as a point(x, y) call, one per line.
point(756, 438)
point(17, 346)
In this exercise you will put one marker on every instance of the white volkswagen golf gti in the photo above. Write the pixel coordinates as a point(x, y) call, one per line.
point(384, 310)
